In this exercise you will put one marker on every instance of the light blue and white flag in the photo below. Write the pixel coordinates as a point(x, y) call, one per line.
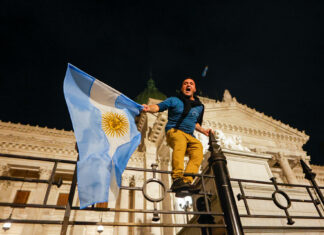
point(105, 130)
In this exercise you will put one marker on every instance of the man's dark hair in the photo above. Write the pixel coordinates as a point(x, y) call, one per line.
point(188, 77)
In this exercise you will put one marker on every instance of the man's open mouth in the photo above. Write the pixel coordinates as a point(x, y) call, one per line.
point(188, 89)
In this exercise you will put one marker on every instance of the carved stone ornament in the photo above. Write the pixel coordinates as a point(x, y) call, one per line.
point(233, 142)
point(227, 97)
point(4, 170)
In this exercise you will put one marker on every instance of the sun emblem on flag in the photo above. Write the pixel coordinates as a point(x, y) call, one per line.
point(114, 124)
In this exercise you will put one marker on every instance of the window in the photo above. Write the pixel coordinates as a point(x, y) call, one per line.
point(21, 197)
point(23, 173)
point(62, 199)
point(102, 205)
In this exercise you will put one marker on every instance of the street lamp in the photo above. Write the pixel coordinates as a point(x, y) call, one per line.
point(186, 204)
point(100, 229)
point(6, 226)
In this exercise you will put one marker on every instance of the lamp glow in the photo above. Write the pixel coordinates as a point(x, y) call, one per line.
point(100, 229)
point(6, 226)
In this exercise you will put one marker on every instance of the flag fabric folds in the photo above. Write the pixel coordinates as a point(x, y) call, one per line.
point(105, 131)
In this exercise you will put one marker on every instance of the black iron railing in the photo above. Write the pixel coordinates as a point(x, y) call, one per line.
point(71, 205)
point(205, 218)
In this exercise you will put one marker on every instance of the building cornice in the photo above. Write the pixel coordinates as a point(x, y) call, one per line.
point(16, 138)
point(8, 147)
point(35, 129)
point(226, 127)
point(235, 105)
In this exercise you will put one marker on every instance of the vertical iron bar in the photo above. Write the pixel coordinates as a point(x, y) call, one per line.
point(67, 213)
point(218, 163)
point(311, 177)
point(313, 200)
point(244, 198)
point(204, 230)
point(289, 219)
point(50, 182)
point(205, 193)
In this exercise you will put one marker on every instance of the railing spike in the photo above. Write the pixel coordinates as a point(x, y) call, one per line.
point(217, 161)
point(310, 175)
point(307, 170)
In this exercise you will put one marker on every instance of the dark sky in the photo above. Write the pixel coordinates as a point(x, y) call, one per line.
point(269, 55)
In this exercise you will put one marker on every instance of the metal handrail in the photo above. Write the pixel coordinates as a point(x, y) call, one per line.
point(66, 221)
point(217, 171)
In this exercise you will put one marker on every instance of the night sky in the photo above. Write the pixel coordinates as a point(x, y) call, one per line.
point(269, 55)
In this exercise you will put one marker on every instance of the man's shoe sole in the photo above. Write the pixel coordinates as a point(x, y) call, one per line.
point(183, 188)
point(184, 193)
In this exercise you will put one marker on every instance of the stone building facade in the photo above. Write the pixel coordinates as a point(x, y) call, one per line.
point(257, 147)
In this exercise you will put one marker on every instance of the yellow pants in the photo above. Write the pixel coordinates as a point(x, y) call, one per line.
point(183, 143)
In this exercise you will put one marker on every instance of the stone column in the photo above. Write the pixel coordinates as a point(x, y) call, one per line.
point(288, 172)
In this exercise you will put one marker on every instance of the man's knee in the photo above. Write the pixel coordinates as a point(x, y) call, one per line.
point(195, 151)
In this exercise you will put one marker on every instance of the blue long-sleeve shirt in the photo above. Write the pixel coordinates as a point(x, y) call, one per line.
point(175, 107)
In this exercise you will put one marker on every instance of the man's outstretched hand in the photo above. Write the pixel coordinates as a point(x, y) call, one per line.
point(203, 130)
point(145, 108)
point(153, 108)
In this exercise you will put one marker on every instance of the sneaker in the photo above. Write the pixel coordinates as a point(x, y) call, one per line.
point(179, 185)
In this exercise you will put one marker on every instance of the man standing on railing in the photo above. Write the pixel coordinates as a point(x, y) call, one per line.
point(185, 114)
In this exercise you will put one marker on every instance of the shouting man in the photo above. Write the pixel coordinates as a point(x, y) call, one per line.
point(185, 114)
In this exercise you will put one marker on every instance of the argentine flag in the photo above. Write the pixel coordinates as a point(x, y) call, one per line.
point(105, 130)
